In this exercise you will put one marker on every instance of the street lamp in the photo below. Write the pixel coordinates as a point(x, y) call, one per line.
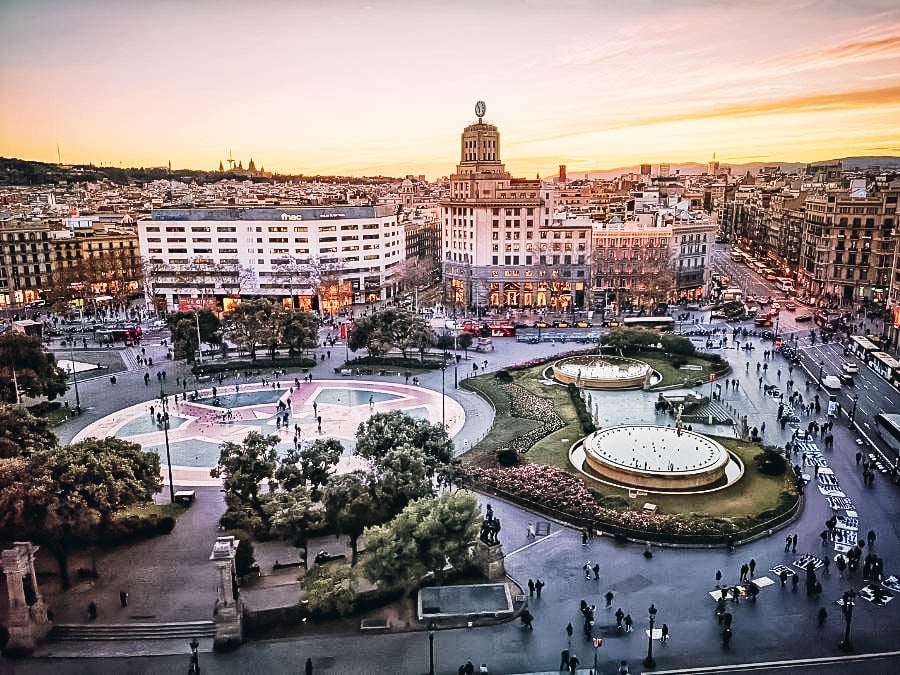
point(74, 376)
point(649, 661)
point(598, 642)
point(165, 421)
point(853, 409)
point(195, 658)
point(431, 629)
point(847, 610)
point(821, 370)
point(199, 343)
point(443, 398)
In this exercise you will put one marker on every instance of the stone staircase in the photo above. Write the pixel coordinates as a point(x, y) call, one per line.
point(719, 414)
point(93, 632)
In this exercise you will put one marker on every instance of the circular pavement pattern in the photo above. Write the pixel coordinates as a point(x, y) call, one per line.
point(198, 428)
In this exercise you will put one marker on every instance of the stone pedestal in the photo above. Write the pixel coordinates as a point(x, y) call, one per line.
point(489, 558)
point(27, 624)
point(228, 611)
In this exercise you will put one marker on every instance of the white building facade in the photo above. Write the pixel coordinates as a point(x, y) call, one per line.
point(320, 257)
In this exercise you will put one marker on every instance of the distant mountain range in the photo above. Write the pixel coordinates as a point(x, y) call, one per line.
point(693, 168)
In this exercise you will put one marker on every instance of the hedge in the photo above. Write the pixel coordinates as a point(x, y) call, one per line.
point(393, 362)
point(259, 364)
point(584, 415)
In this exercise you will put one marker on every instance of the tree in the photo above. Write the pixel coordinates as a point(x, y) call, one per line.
point(464, 341)
point(383, 432)
point(629, 340)
point(249, 325)
point(184, 332)
point(292, 516)
point(62, 496)
point(318, 459)
point(244, 557)
point(349, 507)
point(36, 372)
point(392, 328)
point(22, 434)
point(329, 590)
point(401, 476)
point(245, 467)
point(300, 332)
point(426, 537)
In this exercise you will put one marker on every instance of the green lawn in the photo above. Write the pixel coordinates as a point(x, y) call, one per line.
point(751, 495)
point(672, 375)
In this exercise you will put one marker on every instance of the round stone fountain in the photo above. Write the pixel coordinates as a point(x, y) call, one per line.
point(602, 372)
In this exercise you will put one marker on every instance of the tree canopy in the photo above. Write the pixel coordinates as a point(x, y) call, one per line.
point(22, 434)
point(262, 322)
point(427, 536)
point(245, 466)
point(383, 432)
point(184, 332)
point(60, 496)
point(392, 328)
point(36, 371)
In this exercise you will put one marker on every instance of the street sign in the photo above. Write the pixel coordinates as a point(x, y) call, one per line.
point(712, 376)
point(598, 642)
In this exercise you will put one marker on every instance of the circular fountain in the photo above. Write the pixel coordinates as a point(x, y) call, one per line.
point(602, 372)
point(656, 458)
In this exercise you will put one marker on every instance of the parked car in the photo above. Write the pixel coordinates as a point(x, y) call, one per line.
point(790, 306)
point(801, 318)
point(831, 382)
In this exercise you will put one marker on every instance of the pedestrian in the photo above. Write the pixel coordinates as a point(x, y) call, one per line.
point(745, 568)
point(794, 543)
point(870, 537)
point(823, 535)
point(123, 598)
point(596, 571)
point(620, 615)
point(787, 544)
point(827, 562)
point(531, 533)
point(629, 623)
point(538, 585)
point(526, 617)
point(609, 598)
point(823, 614)
point(569, 630)
point(795, 581)
point(564, 659)
point(587, 571)
point(752, 567)
point(319, 420)
point(573, 663)
point(726, 637)
point(719, 577)
point(665, 633)
point(531, 588)
point(92, 610)
point(308, 668)
point(783, 576)
point(584, 536)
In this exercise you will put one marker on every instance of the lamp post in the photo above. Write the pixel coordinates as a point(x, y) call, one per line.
point(431, 629)
point(853, 409)
point(443, 398)
point(821, 370)
point(165, 421)
point(74, 376)
point(847, 611)
point(199, 343)
point(195, 657)
point(598, 642)
point(649, 661)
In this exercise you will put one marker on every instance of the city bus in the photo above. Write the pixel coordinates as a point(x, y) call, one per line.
point(661, 323)
point(493, 329)
point(885, 365)
point(861, 347)
point(887, 426)
point(130, 336)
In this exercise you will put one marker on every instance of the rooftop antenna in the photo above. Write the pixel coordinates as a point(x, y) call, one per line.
point(58, 155)
point(230, 161)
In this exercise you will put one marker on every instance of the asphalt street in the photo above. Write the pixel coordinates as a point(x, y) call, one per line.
point(779, 626)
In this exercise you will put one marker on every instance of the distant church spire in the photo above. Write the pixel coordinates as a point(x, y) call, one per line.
point(251, 166)
point(221, 168)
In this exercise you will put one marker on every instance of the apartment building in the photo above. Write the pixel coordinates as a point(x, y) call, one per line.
point(26, 258)
point(310, 257)
point(502, 246)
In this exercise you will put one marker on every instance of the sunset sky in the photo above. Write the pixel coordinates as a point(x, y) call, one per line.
point(386, 86)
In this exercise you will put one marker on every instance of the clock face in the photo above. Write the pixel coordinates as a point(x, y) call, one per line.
point(480, 108)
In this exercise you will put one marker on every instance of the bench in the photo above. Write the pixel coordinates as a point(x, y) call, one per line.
point(374, 624)
point(649, 507)
point(185, 497)
point(634, 494)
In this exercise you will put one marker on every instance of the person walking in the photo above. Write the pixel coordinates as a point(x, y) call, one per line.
point(822, 616)
point(718, 578)
point(794, 543)
point(609, 598)
point(527, 618)
point(745, 568)
point(531, 533)
point(620, 615)
point(596, 569)
point(827, 562)
point(531, 588)
point(665, 633)
point(751, 566)
point(92, 610)
point(569, 630)
point(538, 585)
point(587, 571)
point(564, 656)
point(573, 663)
point(629, 623)
point(123, 598)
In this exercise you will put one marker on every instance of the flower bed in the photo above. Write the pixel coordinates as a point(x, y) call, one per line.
point(526, 405)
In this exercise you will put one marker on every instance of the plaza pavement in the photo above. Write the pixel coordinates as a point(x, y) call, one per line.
point(780, 625)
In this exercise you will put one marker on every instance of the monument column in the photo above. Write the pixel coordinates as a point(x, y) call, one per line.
point(228, 612)
point(27, 624)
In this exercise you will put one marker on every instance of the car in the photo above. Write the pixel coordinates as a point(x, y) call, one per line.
point(762, 301)
point(560, 324)
point(801, 318)
point(776, 305)
point(790, 306)
point(831, 382)
point(771, 277)
point(850, 367)
point(845, 378)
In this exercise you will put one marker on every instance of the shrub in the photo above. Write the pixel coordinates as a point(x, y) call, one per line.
point(613, 502)
point(211, 368)
point(503, 376)
point(507, 457)
point(677, 360)
point(770, 462)
point(676, 344)
point(584, 415)
point(243, 557)
point(330, 590)
point(165, 525)
point(395, 362)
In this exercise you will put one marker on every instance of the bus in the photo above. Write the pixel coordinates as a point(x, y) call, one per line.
point(660, 323)
point(130, 336)
point(885, 365)
point(887, 426)
point(493, 329)
point(861, 347)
